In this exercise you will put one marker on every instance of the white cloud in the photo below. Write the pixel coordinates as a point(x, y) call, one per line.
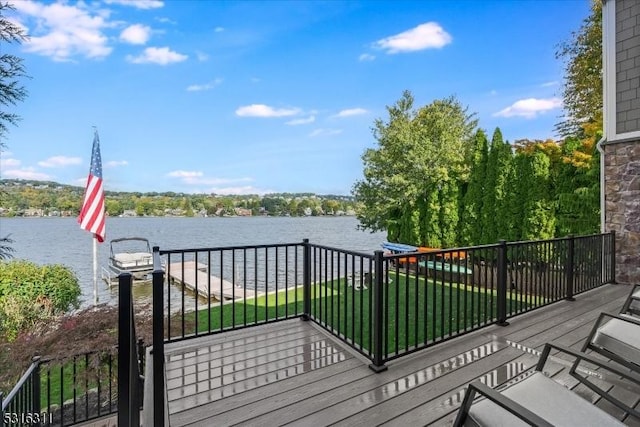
point(219, 29)
point(184, 174)
point(157, 55)
point(261, 110)
point(202, 56)
point(366, 57)
point(9, 163)
point(62, 31)
point(493, 92)
point(429, 35)
point(242, 190)
point(138, 4)
point(198, 178)
point(206, 86)
point(136, 34)
point(165, 20)
point(60, 162)
point(325, 132)
point(351, 112)
point(296, 122)
point(116, 163)
point(529, 108)
point(550, 84)
point(26, 173)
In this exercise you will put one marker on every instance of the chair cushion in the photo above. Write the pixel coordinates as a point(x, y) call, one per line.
point(544, 397)
point(620, 338)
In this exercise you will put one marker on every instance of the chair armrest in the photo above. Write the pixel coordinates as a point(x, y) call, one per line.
point(579, 355)
point(499, 399)
point(627, 304)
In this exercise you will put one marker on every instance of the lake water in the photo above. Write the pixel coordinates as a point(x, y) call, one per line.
point(61, 241)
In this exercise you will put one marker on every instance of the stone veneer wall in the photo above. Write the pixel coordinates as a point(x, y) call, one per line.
point(622, 206)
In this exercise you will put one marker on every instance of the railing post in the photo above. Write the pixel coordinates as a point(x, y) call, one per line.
point(613, 257)
point(124, 349)
point(502, 284)
point(569, 268)
point(158, 339)
point(378, 313)
point(35, 386)
point(1, 410)
point(306, 279)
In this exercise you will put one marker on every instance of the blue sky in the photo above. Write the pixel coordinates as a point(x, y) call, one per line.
point(258, 97)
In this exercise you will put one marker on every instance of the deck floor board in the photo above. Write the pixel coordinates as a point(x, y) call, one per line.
point(293, 372)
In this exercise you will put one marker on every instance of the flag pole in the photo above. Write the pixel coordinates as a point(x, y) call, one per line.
point(95, 271)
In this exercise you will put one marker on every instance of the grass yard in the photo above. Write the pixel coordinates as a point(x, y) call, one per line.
point(61, 381)
point(415, 311)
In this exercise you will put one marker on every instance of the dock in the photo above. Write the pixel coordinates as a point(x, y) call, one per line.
point(197, 278)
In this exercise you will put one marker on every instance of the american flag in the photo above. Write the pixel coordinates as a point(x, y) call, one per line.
point(91, 216)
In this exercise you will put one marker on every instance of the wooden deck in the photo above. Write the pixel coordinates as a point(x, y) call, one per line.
point(294, 373)
point(197, 279)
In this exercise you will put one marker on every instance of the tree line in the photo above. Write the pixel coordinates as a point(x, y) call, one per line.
point(437, 180)
point(51, 198)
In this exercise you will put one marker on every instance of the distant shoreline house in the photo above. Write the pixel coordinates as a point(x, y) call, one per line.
point(620, 149)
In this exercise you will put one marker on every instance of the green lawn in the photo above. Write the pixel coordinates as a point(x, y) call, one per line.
point(59, 380)
point(434, 311)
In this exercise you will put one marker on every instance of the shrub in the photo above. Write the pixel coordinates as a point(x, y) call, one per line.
point(30, 293)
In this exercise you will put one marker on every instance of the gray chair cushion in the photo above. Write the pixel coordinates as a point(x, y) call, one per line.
point(546, 398)
point(620, 338)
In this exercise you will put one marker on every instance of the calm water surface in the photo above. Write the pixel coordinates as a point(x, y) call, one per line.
point(61, 241)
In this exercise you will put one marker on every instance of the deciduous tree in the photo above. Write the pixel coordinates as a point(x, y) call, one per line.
point(582, 89)
point(12, 71)
point(410, 185)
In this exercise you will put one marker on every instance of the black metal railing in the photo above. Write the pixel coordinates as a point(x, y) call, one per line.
point(64, 391)
point(339, 286)
point(22, 404)
point(236, 287)
point(441, 294)
point(382, 305)
point(130, 361)
point(79, 388)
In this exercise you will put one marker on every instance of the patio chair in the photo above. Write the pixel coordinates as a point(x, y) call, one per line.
point(536, 400)
point(618, 338)
point(632, 304)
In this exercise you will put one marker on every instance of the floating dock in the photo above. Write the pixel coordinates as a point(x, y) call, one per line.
point(197, 278)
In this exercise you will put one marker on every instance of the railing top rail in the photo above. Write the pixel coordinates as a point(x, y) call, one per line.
point(23, 379)
point(228, 248)
point(344, 251)
point(556, 239)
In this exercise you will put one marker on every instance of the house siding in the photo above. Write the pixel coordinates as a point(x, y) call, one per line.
point(622, 157)
point(627, 66)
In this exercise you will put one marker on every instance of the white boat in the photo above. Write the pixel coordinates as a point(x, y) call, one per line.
point(129, 254)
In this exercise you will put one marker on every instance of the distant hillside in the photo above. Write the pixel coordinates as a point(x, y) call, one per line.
point(46, 198)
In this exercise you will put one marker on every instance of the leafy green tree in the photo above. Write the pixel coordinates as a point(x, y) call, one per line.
point(187, 207)
point(582, 90)
point(494, 200)
point(409, 179)
point(472, 201)
point(6, 250)
point(12, 70)
point(113, 207)
point(539, 215)
point(577, 192)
